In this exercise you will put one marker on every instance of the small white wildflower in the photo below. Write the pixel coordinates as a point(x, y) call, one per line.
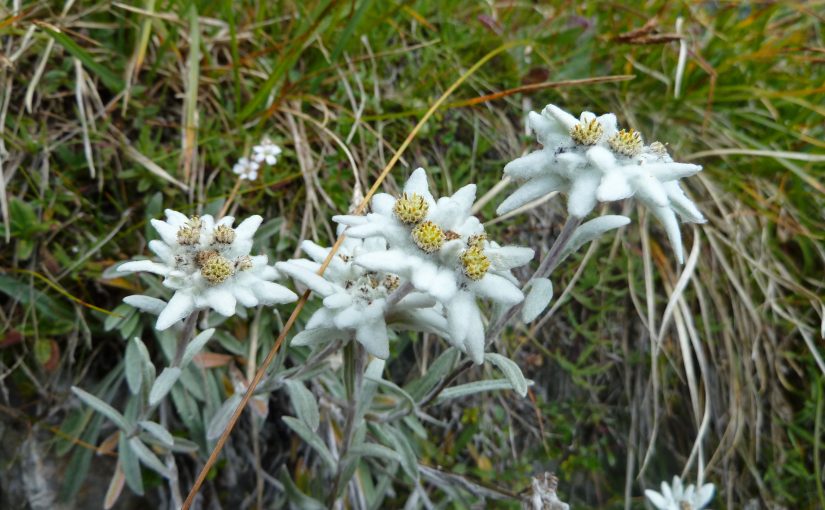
point(440, 247)
point(355, 299)
point(678, 497)
point(246, 169)
point(267, 151)
point(591, 161)
point(208, 265)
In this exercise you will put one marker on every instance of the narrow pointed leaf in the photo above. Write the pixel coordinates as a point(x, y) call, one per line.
point(303, 401)
point(510, 370)
point(312, 440)
point(148, 458)
point(163, 384)
point(102, 407)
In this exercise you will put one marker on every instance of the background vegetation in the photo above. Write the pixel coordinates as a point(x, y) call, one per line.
point(110, 112)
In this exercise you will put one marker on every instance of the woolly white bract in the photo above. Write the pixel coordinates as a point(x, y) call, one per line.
point(267, 152)
point(442, 250)
point(355, 298)
point(678, 497)
point(208, 265)
point(591, 161)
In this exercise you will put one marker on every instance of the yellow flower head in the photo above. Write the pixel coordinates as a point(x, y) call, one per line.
point(428, 236)
point(475, 262)
point(587, 133)
point(627, 142)
point(411, 208)
point(217, 269)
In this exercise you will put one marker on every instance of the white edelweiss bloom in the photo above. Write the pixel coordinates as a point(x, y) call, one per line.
point(208, 265)
point(355, 298)
point(653, 177)
point(267, 152)
point(441, 248)
point(246, 169)
point(678, 497)
point(561, 164)
point(591, 161)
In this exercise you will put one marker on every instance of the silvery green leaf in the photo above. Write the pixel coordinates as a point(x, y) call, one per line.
point(148, 458)
point(312, 440)
point(511, 371)
point(435, 373)
point(183, 445)
point(294, 494)
point(146, 363)
point(591, 230)
point(309, 337)
point(130, 465)
point(409, 460)
point(464, 390)
point(195, 346)
point(146, 303)
point(303, 401)
point(218, 422)
point(540, 295)
point(163, 384)
point(133, 364)
point(157, 430)
point(102, 407)
point(119, 316)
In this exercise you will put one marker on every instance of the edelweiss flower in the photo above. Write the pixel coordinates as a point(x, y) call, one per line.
point(442, 250)
point(678, 497)
point(246, 169)
point(591, 161)
point(209, 266)
point(266, 151)
point(355, 299)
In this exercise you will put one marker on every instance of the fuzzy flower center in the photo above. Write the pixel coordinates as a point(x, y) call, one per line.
point(202, 257)
point(627, 142)
point(410, 208)
point(217, 269)
point(658, 148)
point(428, 236)
point(224, 234)
point(190, 232)
point(587, 133)
point(371, 286)
point(243, 263)
point(475, 262)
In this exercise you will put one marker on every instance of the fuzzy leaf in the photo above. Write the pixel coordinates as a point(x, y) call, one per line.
point(130, 465)
point(375, 450)
point(134, 367)
point(591, 230)
point(540, 295)
point(158, 432)
point(102, 407)
point(148, 458)
point(510, 370)
point(472, 388)
point(303, 401)
point(312, 440)
point(221, 418)
point(163, 384)
point(195, 346)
